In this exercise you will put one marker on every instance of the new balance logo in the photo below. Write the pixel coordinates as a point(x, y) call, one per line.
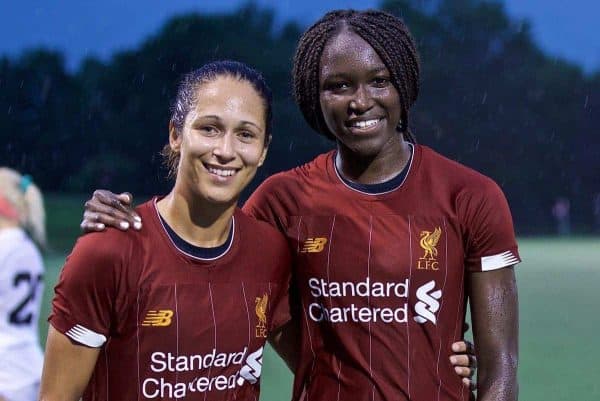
point(312, 245)
point(250, 372)
point(158, 318)
point(428, 303)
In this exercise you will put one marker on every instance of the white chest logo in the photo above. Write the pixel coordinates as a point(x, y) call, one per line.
point(251, 370)
point(428, 303)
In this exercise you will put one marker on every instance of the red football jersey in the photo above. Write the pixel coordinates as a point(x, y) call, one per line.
point(171, 325)
point(381, 276)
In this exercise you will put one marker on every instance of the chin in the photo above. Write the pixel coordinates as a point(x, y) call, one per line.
point(364, 148)
point(215, 196)
point(221, 199)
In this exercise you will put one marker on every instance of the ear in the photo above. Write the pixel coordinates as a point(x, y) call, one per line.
point(174, 137)
point(263, 156)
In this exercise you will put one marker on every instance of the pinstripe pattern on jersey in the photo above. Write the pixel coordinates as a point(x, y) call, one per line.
point(439, 351)
point(410, 269)
point(369, 305)
point(176, 331)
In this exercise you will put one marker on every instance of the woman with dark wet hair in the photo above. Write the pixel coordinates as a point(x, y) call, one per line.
point(182, 309)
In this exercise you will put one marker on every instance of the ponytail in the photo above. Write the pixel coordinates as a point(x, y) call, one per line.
point(26, 198)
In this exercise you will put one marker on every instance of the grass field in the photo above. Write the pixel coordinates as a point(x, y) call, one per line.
point(559, 297)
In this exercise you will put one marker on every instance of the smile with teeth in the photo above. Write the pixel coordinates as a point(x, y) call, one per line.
point(364, 124)
point(221, 171)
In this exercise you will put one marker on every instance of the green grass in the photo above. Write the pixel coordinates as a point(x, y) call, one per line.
point(63, 219)
point(559, 297)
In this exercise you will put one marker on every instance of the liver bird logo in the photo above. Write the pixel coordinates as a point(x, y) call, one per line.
point(429, 241)
point(261, 313)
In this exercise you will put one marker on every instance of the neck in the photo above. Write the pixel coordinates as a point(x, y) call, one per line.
point(373, 169)
point(197, 221)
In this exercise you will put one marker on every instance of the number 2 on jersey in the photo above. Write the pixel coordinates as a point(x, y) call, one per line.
point(19, 315)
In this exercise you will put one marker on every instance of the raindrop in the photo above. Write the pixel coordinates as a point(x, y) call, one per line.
point(484, 98)
point(586, 102)
point(9, 110)
point(291, 145)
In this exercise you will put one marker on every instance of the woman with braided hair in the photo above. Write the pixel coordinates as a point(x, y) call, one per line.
point(389, 237)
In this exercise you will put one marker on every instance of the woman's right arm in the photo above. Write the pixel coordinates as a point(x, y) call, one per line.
point(67, 368)
point(88, 298)
point(107, 209)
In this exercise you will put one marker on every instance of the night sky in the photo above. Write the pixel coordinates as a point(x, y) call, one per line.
point(80, 28)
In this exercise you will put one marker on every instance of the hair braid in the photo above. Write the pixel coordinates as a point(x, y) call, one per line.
point(306, 68)
point(388, 36)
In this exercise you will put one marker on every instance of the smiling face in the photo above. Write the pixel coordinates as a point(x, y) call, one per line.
point(360, 105)
point(222, 142)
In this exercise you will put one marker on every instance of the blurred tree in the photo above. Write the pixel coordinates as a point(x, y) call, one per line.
point(39, 116)
point(127, 109)
point(489, 98)
point(492, 100)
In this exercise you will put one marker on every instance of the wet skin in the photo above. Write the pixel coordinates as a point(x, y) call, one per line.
point(362, 109)
point(220, 147)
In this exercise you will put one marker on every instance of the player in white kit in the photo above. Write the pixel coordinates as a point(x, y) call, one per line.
point(22, 235)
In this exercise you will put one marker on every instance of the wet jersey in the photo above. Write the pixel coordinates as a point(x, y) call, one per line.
point(380, 276)
point(171, 325)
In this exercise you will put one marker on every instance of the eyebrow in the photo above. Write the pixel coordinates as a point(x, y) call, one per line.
point(251, 123)
point(345, 74)
point(379, 69)
point(215, 117)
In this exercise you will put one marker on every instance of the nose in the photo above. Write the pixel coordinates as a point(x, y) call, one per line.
point(224, 148)
point(361, 101)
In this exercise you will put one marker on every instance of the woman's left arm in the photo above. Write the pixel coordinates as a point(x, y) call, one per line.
point(495, 318)
point(67, 368)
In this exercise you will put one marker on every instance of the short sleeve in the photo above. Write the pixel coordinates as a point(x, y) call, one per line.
point(257, 206)
point(488, 224)
point(265, 205)
point(86, 292)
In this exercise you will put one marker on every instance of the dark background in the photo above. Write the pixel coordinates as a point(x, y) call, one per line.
point(490, 98)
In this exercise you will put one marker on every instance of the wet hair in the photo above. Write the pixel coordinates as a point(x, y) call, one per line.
point(21, 201)
point(187, 96)
point(385, 33)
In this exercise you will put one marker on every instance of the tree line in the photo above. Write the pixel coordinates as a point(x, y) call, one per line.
point(490, 98)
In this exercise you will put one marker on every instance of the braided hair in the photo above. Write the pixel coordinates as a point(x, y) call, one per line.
point(385, 33)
